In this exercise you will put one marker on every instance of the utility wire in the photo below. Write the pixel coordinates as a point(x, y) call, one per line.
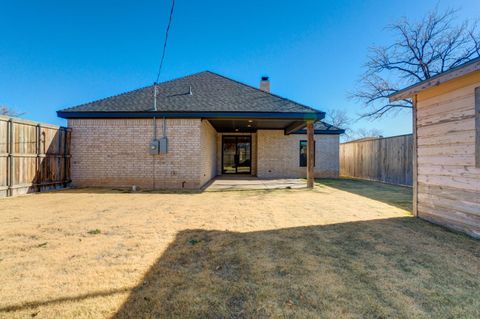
point(166, 40)
point(155, 91)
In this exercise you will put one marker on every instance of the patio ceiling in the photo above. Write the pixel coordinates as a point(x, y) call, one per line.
point(252, 125)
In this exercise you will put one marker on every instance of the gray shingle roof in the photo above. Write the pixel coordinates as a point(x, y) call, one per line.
point(211, 92)
point(321, 127)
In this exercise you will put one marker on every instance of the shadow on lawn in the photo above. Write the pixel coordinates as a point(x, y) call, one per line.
point(401, 267)
point(398, 196)
point(36, 304)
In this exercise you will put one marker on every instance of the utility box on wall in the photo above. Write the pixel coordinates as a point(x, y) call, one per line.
point(163, 145)
point(154, 147)
point(158, 146)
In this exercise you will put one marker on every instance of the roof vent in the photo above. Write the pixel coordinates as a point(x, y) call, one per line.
point(265, 84)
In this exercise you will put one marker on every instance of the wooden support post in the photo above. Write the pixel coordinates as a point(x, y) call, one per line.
point(414, 158)
point(310, 154)
point(65, 157)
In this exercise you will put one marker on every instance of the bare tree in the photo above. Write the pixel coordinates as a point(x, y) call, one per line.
point(364, 133)
point(422, 49)
point(8, 111)
point(340, 118)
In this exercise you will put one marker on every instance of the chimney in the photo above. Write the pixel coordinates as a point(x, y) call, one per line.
point(265, 84)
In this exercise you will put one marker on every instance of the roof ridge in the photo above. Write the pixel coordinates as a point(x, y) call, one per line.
point(134, 90)
point(141, 99)
point(255, 88)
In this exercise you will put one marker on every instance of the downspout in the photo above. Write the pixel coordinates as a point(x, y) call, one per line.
point(155, 110)
point(164, 127)
point(154, 130)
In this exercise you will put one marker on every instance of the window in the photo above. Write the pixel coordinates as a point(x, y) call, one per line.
point(477, 127)
point(303, 153)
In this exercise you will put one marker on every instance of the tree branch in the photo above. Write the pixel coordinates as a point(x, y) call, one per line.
point(423, 49)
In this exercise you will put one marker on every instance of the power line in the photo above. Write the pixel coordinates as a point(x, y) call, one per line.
point(166, 40)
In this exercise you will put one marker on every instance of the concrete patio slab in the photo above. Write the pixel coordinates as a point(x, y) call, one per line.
point(222, 183)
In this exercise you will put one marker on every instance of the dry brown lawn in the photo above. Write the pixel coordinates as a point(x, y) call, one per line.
point(347, 249)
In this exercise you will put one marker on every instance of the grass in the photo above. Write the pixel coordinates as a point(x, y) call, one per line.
point(347, 249)
point(394, 195)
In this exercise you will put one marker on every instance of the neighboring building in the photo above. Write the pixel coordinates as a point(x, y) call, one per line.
point(447, 138)
point(213, 126)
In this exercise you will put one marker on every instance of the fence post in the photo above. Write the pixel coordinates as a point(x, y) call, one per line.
point(37, 159)
point(9, 157)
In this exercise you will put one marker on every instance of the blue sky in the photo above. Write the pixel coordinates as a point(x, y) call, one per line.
point(55, 54)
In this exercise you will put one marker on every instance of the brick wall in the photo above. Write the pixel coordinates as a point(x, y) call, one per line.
point(278, 155)
point(208, 150)
point(114, 153)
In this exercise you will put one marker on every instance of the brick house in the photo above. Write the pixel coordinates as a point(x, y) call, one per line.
point(198, 127)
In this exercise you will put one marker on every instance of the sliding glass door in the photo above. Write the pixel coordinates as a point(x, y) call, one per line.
point(236, 154)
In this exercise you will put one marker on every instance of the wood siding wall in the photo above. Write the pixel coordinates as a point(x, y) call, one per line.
point(33, 157)
point(448, 181)
point(387, 160)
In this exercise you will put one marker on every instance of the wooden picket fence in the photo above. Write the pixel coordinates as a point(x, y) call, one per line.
point(387, 160)
point(34, 157)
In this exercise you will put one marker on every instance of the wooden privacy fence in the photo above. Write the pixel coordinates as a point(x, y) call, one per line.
point(34, 157)
point(387, 160)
